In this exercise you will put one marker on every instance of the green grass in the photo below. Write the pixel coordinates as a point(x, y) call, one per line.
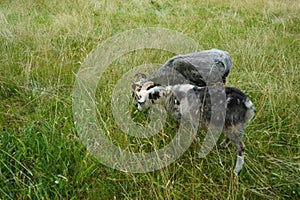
point(42, 46)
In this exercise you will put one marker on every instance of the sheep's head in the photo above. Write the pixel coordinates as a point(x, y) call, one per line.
point(136, 86)
point(141, 95)
point(145, 93)
point(137, 82)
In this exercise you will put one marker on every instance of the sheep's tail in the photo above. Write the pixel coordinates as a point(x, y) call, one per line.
point(250, 110)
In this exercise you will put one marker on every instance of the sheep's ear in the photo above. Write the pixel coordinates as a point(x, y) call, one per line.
point(135, 86)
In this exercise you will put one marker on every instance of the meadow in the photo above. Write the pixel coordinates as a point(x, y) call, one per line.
point(44, 43)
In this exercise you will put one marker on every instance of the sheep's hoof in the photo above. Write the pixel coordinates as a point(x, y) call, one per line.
point(197, 139)
point(224, 144)
point(237, 173)
point(239, 165)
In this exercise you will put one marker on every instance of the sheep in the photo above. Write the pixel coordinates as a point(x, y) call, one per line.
point(192, 68)
point(180, 99)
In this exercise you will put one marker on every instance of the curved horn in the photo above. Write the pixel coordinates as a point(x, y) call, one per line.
point(138, 76)
point(147, 84)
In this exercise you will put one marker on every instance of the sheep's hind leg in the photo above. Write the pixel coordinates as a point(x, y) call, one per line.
point(240, 156)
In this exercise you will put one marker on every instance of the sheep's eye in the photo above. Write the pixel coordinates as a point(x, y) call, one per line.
point(134, 95)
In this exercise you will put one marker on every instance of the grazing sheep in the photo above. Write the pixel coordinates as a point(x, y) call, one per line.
point(179, 100)
point(193, 68)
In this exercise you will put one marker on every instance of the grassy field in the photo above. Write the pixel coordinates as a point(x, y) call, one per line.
point(44, 43)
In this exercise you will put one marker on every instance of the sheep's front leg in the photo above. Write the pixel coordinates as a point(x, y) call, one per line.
point(240, 156)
